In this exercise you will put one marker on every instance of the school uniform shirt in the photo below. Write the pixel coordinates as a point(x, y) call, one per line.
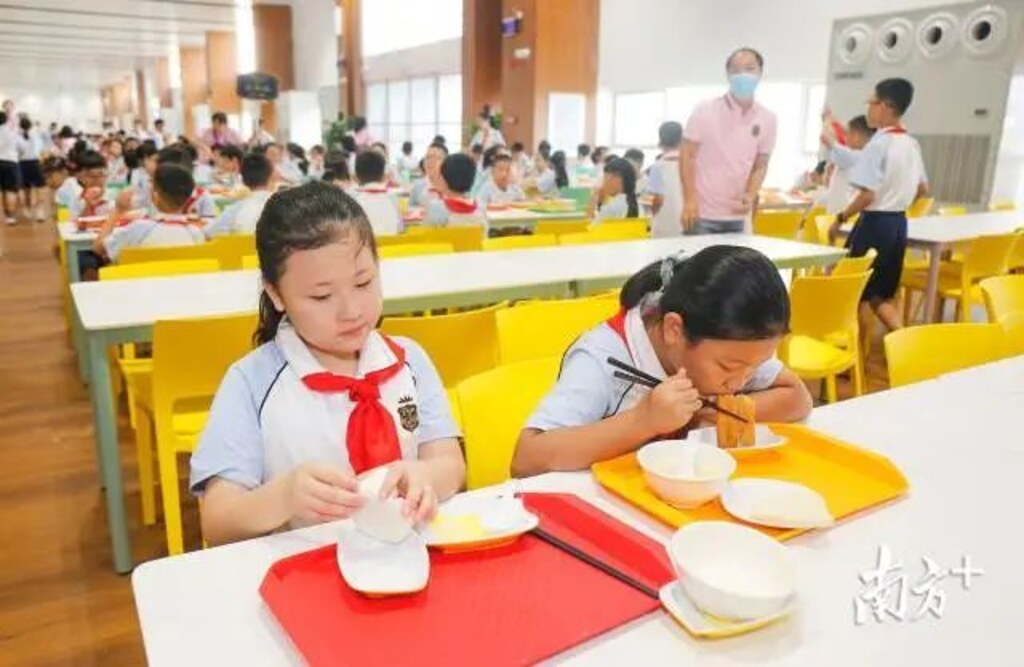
point(142, 190)
point(587, 390)
point(157, 231)
point(422, 192)
point(240, 217)
point(118, 172)
point(202, 174)
point(891, 167)
point(840, 192)
point(490, 193)
point(228, 179)
point(69, 192)
point(663, 181)
point(30, 147)
point(522, 167)
point(547, 183)
point(290, 173)
point(615, 208)
point(407, 166)
point(201, 204)
point(265, 421)
point(80, 208)
point(454, 212)
point(8, 145)
point(381, 207)
point(481, 177)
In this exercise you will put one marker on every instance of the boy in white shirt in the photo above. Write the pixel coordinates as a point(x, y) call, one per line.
point(201, 203)
point(499, 188)
point(455, 207)
point(242, 216)
point(839, 192)
point(170, 226)
point(380, 206)
point(664, 184)
point(58, 179)
point(889, 176)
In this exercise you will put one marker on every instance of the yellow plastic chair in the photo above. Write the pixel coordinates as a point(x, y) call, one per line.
point(231, 248)
point(987, 256)
point(414, 249)
point(952, 210)
point(166, 253)
point(1003, 205)
point(639, 227)
point(462, 238)
point(459, 344)
point(848, 265)
point(559, 227)
point(1004, 295)
point(1015, 262)
point(1013, 328)
point(921, 207)
point(543, 329)
point(63, 214)
point(520, 241)
point(495, 406)
point(921, 353)
point(251, 262)
point(190, 358)
point(824, 335)
point(778, 224)
point(822, 224)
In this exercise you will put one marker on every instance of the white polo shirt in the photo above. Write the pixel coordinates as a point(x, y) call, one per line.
point(891, 167)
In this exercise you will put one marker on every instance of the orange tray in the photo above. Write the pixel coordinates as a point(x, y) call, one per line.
point(849, 478)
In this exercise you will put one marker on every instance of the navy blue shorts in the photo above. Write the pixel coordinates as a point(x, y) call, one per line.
point(886, 232)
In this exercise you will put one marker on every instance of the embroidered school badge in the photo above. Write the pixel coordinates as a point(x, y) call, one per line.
point(408, 414)
point(755, 130)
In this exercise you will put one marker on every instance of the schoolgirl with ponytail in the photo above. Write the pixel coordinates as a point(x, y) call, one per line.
point(616, 198)
point(707, 325)
point(325, 397)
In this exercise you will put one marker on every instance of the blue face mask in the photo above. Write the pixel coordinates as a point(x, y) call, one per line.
point(743, 85)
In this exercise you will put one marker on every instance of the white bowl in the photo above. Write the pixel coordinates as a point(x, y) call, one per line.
point(733, 571)
point(680, 480)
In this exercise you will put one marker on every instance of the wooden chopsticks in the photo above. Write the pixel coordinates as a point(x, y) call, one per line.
point(558, 543)
point(638, 376)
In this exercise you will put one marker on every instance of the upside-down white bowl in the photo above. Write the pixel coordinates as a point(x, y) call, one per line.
point(663, 469)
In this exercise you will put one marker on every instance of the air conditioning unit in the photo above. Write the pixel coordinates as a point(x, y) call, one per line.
point(961, 60)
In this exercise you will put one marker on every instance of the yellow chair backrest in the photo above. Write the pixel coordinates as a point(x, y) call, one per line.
point(824, 306)
point(251, 262)
point(494, 407)
point(164, 253)
point(848, 265)
point(462, 238)
point(171, 267)
point(543, 329)
point(1016, 259)
point(559, 227)
point(63, 214)
point(952, 210)
point(987, 256)
point(520, 241)
point(921, 207)
point(231, 248)
point(1013, 330)
point(1004, 295)
point(413, 249)
point(394, 239)
point(460, 344)
point(190, 357)
point(778, 224)
point(1003, 205)
point(632, 227)
point(921, 353)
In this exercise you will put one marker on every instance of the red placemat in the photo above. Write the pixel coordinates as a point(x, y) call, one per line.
point(509, 606)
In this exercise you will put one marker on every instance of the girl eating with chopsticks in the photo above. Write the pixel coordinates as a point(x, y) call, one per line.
point(325, 397)
point(695, 328)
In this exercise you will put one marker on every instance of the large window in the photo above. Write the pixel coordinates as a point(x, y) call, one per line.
point(393, 25)
point(415, 110)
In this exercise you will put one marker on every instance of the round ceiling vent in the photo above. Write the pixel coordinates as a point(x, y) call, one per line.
point(985, 30)
point(937, 35)
point(854, 44)
point(894, 40)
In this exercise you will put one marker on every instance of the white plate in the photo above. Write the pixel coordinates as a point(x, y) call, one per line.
point(699, 624)
point(379, 568)
point(771, 502)
point(478, 521)
point(764, 439)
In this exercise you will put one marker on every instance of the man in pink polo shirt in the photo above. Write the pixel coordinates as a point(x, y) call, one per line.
point(725, 155)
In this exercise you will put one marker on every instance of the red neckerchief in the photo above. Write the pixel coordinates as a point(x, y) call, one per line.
point(459, 205)
point(176, 219)
point(90, 209)
point(193, 198)
point(617, 323)
point(371, 438)
point(895, 129)
point(373, 191)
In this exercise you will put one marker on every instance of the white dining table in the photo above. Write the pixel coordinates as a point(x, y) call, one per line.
point(957, 439)
point(124, 311)
point(936, 234)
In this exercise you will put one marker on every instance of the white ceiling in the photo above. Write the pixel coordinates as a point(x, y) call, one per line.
point(77, 43)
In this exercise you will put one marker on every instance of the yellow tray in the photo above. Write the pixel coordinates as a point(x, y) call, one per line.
point(849, 478)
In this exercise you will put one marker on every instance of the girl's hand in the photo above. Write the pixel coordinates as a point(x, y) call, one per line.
point(411, 480)
point(319, 492)
point(671, 405)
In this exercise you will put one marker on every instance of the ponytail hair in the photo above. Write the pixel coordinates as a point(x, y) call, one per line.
point(26, 126)
point(723, 293)
point(627, 174)
point(557, 161)
point(305, 217)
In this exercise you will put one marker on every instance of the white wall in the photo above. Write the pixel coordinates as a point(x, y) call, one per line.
point(443, 57)
point(658, 44)
point(314, 44)
point(81, 108)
